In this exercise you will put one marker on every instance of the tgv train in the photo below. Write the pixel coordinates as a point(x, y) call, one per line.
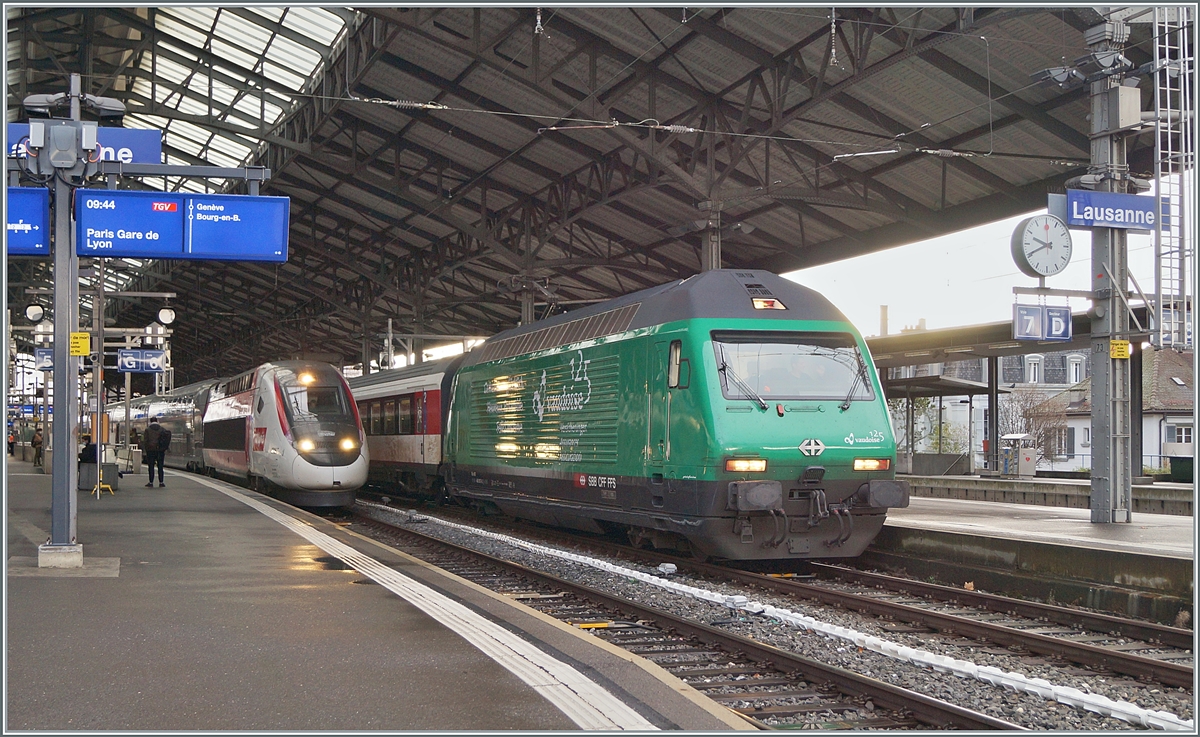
point(289, 429)
point(734, 414)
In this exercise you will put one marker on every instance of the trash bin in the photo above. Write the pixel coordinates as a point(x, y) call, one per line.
point(1181, 469)
point(87, 476)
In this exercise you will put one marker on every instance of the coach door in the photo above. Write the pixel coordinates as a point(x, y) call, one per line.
point(658, 439)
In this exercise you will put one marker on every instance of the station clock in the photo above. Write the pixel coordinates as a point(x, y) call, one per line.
point(1041, 245)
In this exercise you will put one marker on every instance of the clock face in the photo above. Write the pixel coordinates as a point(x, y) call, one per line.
point(1041, 245)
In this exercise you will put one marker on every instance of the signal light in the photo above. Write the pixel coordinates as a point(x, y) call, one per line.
point(872, 464)
point(746, 465)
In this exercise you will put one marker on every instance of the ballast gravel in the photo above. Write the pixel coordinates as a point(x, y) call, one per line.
point(1027, 710)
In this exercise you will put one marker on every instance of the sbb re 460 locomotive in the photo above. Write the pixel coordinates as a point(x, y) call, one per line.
point(734, 414)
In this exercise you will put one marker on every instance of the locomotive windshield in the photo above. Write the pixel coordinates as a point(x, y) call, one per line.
point(309, 396)
point(770, 366)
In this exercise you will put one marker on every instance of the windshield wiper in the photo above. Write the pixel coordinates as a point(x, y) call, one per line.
point(731, 376)
point(861, 376)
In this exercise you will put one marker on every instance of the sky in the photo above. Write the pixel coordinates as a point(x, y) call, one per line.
point(965, 278)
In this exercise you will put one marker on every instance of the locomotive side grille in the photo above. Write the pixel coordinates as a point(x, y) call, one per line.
point(595, 326)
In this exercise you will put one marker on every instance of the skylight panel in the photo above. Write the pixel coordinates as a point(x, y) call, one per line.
point(185, 23)
point(234, 54)
point(315, 23)
point(285, 77)
point(271, 13)
point(246, 34)
point(293, 56)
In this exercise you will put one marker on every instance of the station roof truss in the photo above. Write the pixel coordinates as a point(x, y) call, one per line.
point(444, 162)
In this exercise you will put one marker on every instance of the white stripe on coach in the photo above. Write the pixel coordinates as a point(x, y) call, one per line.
point(577, 696)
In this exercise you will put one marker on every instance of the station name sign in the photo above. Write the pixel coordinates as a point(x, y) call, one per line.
point(172, 225)
point(127, 145)
point(1088, 209)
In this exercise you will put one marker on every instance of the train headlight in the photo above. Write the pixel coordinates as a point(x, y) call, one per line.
point(306, 379)
point(306, 445)
point(348, 444)
point(872, 464)
point(746, 465)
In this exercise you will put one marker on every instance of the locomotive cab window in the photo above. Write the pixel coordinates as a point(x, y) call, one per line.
point(678, 369)
point(770, 366)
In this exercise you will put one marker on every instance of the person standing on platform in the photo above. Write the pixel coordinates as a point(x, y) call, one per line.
point(36, 444)
point(12, 442)
point(155, 442)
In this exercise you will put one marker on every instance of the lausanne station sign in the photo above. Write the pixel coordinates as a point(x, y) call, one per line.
point(171, 225)
point(1088, 209)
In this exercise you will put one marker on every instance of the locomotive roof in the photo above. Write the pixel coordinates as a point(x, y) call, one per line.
point(720, 293)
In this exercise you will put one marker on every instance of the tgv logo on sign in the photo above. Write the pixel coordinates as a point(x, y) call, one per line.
point(164, 206)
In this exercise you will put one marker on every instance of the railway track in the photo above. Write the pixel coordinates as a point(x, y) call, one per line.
point(767, 685)
point(1107, 645)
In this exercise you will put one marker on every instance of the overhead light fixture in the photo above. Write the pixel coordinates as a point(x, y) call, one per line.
point(1103, 62)
point(1061, 76)
point(166, 316)
point(35, 312)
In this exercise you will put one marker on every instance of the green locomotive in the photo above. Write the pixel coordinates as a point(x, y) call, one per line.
point(734, 414)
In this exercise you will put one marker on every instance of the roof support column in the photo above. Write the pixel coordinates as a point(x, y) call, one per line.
point(993, 424)
point(1111, 487)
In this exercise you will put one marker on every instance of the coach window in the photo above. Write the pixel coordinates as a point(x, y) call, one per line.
point(376, 418)
point(404, 415)
point(389, 417)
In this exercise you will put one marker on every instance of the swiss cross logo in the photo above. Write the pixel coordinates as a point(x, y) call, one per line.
point(164, 207)
point(812, 447)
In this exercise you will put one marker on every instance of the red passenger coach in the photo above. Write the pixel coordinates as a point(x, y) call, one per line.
point(403, 412)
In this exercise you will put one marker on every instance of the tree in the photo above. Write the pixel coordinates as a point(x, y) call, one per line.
point(927, 431)
point(1027, 411)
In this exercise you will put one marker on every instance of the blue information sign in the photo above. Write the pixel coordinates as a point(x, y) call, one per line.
point(136, 224)
point(127, 223)
point(237, 227)
point(1057, 323)
point(1038, 322)
point(1028, 322)
point(27, 221)
point(141, 361)
point(127, 145)
point(1087, 209)
point(43, 359)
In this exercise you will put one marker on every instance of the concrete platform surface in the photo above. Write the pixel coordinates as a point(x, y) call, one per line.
point(1148, 534)
point(203, 606)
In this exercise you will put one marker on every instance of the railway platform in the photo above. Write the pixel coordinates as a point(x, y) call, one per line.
point(203, 606)
point(1145, 567)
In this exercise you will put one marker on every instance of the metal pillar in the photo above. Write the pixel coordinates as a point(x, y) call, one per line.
point(710, 255)
point(64, 472)
point(1111, 487)
point(98, 366)
point(993, 425)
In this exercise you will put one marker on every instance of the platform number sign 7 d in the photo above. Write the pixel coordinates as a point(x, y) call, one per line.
point(1028, 322)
